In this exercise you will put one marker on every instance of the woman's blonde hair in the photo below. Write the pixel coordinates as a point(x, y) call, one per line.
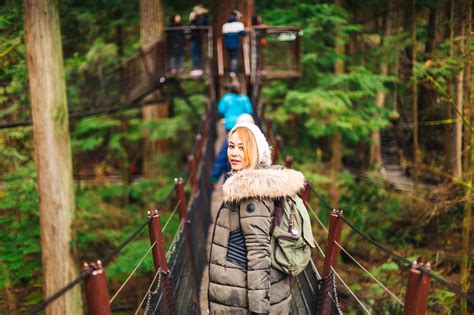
point(250, 146)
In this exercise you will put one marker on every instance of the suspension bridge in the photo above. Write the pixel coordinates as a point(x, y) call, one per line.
point(179, 284)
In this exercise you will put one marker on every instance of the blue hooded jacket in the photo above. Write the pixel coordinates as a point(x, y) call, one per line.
point(232, 30)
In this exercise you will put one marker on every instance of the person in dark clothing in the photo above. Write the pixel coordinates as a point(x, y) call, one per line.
point(198, 17)
point(232, 31)
point(175, 40)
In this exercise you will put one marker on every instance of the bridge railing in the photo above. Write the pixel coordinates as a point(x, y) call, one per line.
point(419, 275)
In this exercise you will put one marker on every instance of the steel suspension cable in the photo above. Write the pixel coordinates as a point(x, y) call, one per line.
point(117, 250)
point(399, 258)
point(317, 218)
point(350, 291)
point(42, 305)
point(131, 274)
point(368, 272)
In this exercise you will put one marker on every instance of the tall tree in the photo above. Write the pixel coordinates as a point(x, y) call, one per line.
point(335, 163)
point(52, 149)
point(151, 31)
point(468, 156)
point(414, 91)
point(458, 104)
point(376, 148)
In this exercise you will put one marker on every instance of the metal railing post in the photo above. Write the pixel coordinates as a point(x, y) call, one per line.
point(192, 172)
point(159, 258)
point(288, 161)
point(277, 148)
point(306, 193)
point(334, 234)
point(97, 293)
point(418, 286)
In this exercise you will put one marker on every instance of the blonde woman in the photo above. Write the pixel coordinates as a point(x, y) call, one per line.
point(241, 279)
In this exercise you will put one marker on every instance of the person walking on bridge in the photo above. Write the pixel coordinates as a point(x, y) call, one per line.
point(241, 277)
point(232, 31)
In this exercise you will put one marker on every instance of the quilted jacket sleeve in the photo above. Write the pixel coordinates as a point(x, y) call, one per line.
point(255, 220)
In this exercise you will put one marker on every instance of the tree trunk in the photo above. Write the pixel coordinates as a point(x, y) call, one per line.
point(450, 152)
point(414, 91)
point(468, 160)
point(457, 171)
point(52, 151)
point(376, 148)
point(335, 163)
point(151, 30)
point(9, 289)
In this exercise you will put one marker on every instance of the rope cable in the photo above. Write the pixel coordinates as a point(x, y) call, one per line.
point(133, 272)
point(317, 218)
point(399, 258)
point(372, 276)
point(171, 216)
point(350, 291)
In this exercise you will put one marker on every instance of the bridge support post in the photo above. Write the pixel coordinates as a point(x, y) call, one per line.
point(198, 152)
point(183, 214)
point(159, 258)
point(288, 161)
point(334, 235)
point(306, 193)
point(416, 297)
point(192, 172)
point(277, 148)
point(97, 293)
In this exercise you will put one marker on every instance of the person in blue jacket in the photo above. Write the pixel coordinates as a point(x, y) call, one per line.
point(235, 108)
point(232, 31)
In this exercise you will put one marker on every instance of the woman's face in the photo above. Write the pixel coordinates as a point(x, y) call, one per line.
point(235, 152)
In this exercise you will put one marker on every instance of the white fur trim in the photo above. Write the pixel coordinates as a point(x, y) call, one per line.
point(269, 182)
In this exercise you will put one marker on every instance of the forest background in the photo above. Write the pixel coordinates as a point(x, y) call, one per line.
point(385, 135)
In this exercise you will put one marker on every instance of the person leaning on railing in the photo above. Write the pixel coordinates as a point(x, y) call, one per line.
point(241, 277)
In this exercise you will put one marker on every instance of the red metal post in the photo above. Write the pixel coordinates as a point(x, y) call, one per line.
point(159, 258)
point(198, 153)
point(183, 206)
point(306, 193)
point(268, 130)
point(332, 250)
point(192, 172)
point(97, 294)
point(276, 148)
point(156, 235)
point(288, 161)
point(416, 297)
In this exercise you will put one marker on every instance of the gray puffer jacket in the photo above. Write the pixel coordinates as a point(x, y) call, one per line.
point(241, 279)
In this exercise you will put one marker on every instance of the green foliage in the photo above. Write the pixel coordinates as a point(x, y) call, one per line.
point(19, 220)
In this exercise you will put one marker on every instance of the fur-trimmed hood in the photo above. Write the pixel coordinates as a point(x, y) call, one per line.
point(264, 182)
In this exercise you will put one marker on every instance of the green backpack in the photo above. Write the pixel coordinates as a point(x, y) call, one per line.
point(291, 237)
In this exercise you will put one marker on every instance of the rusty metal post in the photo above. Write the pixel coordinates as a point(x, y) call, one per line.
point(306, 193)
point(198, 152)
point(159, 257)
point(288, 161)
point(192, 173)
point(416, 297)
point(277, 148)
point(183, 206)
point(97, 293)
point(183, 214)
point(334, 234)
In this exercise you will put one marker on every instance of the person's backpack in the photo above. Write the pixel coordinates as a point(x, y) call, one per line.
point(291, 237)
